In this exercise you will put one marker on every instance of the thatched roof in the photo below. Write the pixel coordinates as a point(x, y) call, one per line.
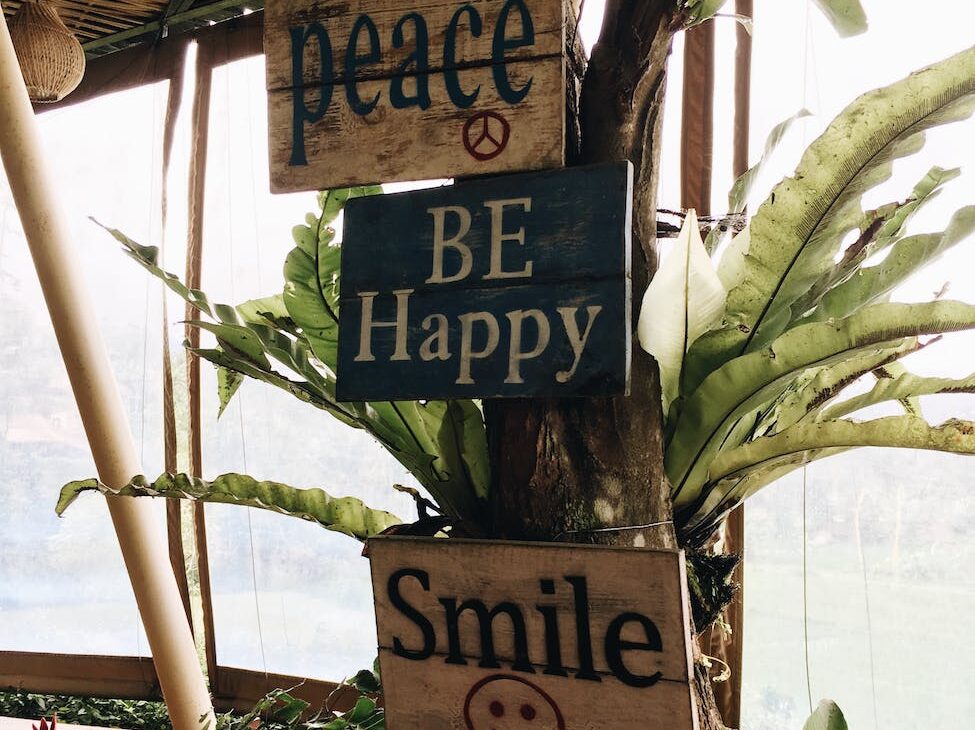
point(104, 26)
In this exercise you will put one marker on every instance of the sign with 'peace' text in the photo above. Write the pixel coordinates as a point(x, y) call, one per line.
point(367, 91)
point(511, 286)
point(478, 635)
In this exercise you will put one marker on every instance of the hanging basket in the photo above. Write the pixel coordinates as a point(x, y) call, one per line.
point(51, 58)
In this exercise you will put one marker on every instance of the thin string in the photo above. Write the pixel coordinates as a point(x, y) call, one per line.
point(808, 59)
point(145, 320)
point(805, 590)
point(866, 606)
point(227, 70)
point(253, 178)
point(613, 529)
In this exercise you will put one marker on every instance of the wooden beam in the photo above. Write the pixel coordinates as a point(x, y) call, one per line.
point(240, 689)
point(66, 293)
point(134, 678)
point(221, 10)
point(697, 136)
point(130, 678)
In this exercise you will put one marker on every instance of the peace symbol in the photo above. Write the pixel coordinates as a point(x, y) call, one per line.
point(486, 135)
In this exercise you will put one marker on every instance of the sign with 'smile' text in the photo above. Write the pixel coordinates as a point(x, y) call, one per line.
point(511, 286)
point(368, 91)
point(478, 635)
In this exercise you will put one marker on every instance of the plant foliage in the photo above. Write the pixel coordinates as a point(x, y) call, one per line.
point(807, 314)
point(846, 16)
point(827, 716)
point(757, 344)
point(290, 341)
point(342, 514)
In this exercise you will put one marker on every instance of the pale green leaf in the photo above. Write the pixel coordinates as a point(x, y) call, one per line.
point(846, 16)
point(341, 514)
point(701, 10)
point(148, 258)
point(266, 310)
point(906, 258)
point(795, 235)
point(755, 380)
point(742, 187)
point(903, 386)
point(684, 300)
point(908, 432)
point(738, 474)
point(228, 382)
point(724, 495)
point(817, 388)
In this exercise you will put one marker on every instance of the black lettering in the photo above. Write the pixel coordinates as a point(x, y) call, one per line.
point(426, 628)
point(485, 618)
point(615, 646)
point(553, 646)
point(300, 112)
point(353, 62)
point(457, 95)
point(419, 58)
point(502, 44)
point(583, 634)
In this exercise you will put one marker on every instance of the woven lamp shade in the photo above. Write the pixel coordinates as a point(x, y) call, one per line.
point(51, 58)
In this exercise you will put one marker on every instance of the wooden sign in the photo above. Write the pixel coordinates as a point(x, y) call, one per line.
point(512, 286)
point(368, 91)
point(477, 635)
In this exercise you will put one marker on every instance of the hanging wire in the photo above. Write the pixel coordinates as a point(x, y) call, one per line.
point(808, 59)
point(145, 317)
point(866, 604)
point(227, 70)
point(253, 177)
point(805, 589)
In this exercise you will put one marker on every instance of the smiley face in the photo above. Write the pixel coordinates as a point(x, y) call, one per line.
point(507, 702)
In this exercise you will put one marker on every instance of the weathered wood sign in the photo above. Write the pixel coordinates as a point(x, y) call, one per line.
point(477, 635)
point(512, 286)
point(366, 91)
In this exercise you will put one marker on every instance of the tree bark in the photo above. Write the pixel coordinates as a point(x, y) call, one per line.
point(565, 468)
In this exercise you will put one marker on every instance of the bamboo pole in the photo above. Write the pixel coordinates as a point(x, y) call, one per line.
point(97, 396)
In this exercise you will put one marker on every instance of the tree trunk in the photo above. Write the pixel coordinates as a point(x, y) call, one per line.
point(564, 468)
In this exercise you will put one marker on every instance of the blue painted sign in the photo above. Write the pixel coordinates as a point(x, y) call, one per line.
point(511, 286)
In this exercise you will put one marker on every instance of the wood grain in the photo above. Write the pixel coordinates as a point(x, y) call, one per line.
point(548, 19)
point(390, 145)
point(433, 693)
point(560, 316)
point(361, 110)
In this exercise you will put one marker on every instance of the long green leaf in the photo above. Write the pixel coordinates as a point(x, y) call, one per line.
point(796, 233)
point(742, 187)
point(908, 432)
point(902, 387)
point(754, 380)
point(684, 300)
point(823, 385)
point(148, 258)
point(906, 257)
point(341, 514)
point(443, 445)
point(879, 230)
point(423, 436)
